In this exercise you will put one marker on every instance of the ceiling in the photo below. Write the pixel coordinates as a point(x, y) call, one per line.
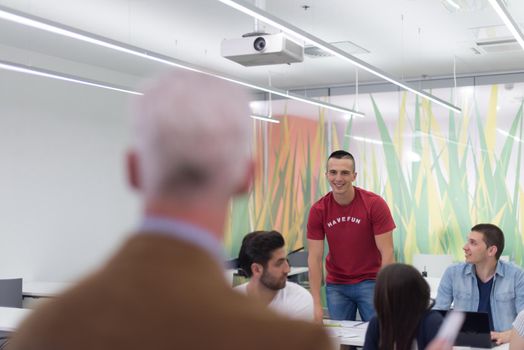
point(409, 39)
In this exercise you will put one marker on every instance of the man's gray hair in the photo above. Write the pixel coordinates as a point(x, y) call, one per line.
point(192, 135)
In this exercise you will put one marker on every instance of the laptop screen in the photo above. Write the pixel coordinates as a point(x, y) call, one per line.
point(475, 330)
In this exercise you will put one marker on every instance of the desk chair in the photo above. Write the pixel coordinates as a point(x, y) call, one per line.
point(433, 265)
point(299, 259)
point(239, 277)
point(232, 263)
point(10, 296)
point(11, 292)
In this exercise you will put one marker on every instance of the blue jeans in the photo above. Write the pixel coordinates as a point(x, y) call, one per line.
point(344, 299)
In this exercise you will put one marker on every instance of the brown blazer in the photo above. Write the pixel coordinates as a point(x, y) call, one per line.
point(160, 293)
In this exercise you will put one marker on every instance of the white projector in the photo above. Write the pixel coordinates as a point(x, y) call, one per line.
point(259, 50)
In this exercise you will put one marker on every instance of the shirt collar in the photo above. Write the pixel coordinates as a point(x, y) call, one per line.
point(499, 270)
point(184, 231)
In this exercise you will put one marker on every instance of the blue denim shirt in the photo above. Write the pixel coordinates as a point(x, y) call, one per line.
point(459, 286)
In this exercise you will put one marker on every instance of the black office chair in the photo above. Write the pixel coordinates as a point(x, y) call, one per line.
point(11, 292)
point(10, 296)
point(297, 258)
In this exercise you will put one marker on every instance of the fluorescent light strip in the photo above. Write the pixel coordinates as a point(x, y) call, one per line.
point(70, 78)
point(453, 3)
point(49, 26)
point(265, 118)
point(266, 17)
point(419, 134)
point(446, 139)
point(502, 11)
point(507, 134)
point(365, 139)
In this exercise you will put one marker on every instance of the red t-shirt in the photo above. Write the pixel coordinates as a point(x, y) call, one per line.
point(350, 230)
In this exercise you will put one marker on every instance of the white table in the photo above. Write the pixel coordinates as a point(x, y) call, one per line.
point(499, 347)
point(293, 271)
point(10, 318)
point(347, 332)
point(297, 270)
point(40, 289)
point(353, 333)
point(35, 289)
point(433, 286)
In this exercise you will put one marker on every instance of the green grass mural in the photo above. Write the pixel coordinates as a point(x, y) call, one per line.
point(467, 171)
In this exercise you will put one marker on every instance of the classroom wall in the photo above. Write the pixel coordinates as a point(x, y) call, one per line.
point(64, 203)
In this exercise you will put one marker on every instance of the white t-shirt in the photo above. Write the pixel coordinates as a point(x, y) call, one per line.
point(293, 301)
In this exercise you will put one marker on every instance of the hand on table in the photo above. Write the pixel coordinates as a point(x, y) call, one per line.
point(501, 337)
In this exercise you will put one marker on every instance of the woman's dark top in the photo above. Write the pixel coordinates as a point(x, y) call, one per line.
point(427, 330)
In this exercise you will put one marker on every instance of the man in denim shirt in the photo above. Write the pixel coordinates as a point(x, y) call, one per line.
point(484, 283)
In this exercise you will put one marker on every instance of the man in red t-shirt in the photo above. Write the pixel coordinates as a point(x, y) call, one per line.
point(358, 227)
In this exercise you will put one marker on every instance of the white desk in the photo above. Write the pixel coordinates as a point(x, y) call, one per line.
point(297, 270)
point(36, 289)
point(347, 332)
point(11, 317)
point(292, 272)
point(433, 286)
point(353, 333)
point(499, 347)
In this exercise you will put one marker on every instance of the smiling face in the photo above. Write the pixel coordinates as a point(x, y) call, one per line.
point(341, 174)
point(274, 275)
point(476, 250)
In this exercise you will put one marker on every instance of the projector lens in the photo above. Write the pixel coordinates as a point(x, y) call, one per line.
point(259, 44)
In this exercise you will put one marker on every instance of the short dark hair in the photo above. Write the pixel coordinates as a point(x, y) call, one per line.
point(341, 154)
point(493, 236)
point(401, 299)
point(257, 247)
